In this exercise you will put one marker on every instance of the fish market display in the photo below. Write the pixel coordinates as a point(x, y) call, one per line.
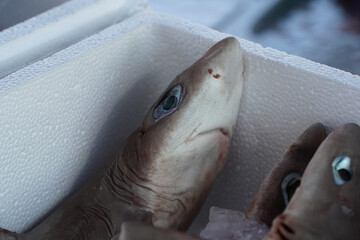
point(326, 205)
point(164, 170)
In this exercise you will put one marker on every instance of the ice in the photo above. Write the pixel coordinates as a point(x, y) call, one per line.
point(228, 224)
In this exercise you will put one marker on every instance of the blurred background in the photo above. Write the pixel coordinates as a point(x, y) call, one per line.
point(325, 31)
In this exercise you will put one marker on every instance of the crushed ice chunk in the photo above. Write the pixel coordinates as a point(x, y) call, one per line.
point(225, 224)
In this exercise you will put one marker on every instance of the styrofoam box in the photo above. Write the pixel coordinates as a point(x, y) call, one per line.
point(58, 28)
point(62, 117)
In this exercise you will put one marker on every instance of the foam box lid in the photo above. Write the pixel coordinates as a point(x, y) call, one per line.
point(58, 28)
point(63, 116)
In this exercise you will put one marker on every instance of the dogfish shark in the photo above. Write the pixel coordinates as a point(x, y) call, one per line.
point(311, 193)
point(163, 172)
point(273, 195)
point(326, 205)
point(280, 184)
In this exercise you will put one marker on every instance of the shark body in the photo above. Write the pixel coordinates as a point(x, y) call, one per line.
point(164, 170)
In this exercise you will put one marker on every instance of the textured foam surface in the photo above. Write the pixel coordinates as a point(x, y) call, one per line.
point(62, 117)
point(58, 28)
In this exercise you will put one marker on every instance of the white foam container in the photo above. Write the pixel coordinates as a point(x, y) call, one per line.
point(58, 28)
point(63, 116)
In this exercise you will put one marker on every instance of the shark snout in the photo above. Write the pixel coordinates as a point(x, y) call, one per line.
point(221, 77)
point(289, 226)
point(324, 205)
point(281, 229)
point(222, 66)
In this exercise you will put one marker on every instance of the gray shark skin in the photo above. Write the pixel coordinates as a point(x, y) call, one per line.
point(269, 201)
point(164, 170)
point(326, 205)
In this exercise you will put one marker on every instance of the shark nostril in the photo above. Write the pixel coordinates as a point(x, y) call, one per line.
point(282, 230)
point(216, 75)
point(287, 228)
point(285, 232)
point(282, 236)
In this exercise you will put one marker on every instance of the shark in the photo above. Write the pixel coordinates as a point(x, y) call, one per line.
point(311, 193)
point(282, 181)
point(162, 173)
point(326, 203)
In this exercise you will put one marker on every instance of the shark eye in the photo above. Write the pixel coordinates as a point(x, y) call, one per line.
point(168, 103)
point(342, 171)
point(289, 185)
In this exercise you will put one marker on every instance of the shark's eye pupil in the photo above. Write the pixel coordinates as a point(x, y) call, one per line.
point(345, 174)
point(342, 170)
point(289, 185)
point(169, 103)
point(292, 186)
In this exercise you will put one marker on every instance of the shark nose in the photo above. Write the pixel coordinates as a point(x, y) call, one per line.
point(281, 230)
point(223, 58)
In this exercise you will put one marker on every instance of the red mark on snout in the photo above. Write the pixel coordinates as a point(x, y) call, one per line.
point(216, 75)
point(210, 71)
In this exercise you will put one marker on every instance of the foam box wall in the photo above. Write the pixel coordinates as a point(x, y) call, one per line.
point(58, 28)
point(61, 118)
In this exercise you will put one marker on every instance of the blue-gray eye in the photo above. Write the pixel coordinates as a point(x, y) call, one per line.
point(342, 171)
point(169, 102)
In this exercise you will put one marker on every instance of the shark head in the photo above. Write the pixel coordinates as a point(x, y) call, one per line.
point(183, 141)
point(326, 205)
point(188, 129)
point(278, 187)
